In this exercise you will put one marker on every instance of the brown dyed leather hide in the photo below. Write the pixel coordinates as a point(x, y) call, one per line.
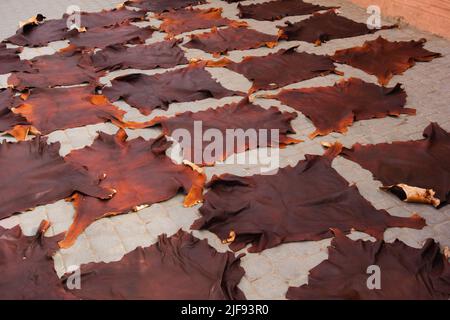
point(33, 173)
point(10, 60)
point(41, 33)
point(335, 108)
point(27, 266)
point(59, 69)
point(103, 37)
point(157, 91)
point(299, 203)
point(406, 273)
point(323, 27)
point(107, 18)
point(279, 69)
point(221, 41)
point(385, 59)
point(10, 122)
point(278, 9)
point(164, 54)
point(162, 5)
point(243, 115)
point(140, 173)
point(420, 164)
point(190, 19)
point(55, 109)
point(176, 267)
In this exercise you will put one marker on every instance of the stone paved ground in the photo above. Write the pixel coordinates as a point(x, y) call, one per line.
point(268, 274)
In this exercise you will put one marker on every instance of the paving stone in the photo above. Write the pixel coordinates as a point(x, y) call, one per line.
point(250, 292)
point(306, 248)
point(60, 211)
point(131, 231)
point(104, 241)
point(148, 214)
point(30, 220)
point(80, 253)
point(183, 217)
point(160, 224)
point(10, 222)
point(268, 274)
point(288, 268)
point(256, 266)
point(79, 137)
point(278, 253)
point(59, 264)
point(271, 287)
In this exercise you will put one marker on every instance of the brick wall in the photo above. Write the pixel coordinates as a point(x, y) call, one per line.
point(429, 15)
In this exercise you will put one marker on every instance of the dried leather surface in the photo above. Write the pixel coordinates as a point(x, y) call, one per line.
point(279, 69)
point(138, 170)
point(406, 273)
point(103, 37)
point(298, 203)
point(242, 115)
point(162, 5)
point(158, 91)
point(190, 19)
point(384, 59)
point(27, 266)
point(422, 163)
point(10, 60)
point(106, 18)
point(165, 54)
point(278, 9)
point(10, 122)
point(33, 173)
point(335, 108)
point(40, 34)
point(54, 109)
point(176, 267)
point(232, 38)
point(323, 27)
point(59, 69)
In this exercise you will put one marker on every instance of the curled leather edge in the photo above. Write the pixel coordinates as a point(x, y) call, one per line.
point(230, 239)
point(36, 20)
point(195, 194)
point(413, 194)
point(403, 191)
point(20, 132)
